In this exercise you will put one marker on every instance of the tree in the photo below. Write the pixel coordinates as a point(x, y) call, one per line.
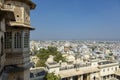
point(40, 63)
point(59, 57)
point(52, 76)
point(110, 54)
point(43, 55)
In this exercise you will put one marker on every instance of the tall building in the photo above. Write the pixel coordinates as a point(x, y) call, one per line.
point(14, 39)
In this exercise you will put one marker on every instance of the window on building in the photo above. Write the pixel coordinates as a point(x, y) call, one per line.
point(26, 40)
point(2, 46)
point(116, 68)
point(112, 68)
point(103, 70)
point(8, 40)
point(17, 40)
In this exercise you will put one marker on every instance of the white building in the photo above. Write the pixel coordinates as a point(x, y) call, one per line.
point(79, 70)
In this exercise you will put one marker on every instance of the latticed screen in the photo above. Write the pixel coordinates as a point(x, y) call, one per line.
point(18, 40)
point(26, 40)
point(8, 40)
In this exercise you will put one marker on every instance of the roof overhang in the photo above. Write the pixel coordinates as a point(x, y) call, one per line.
point(20, 25)
point(28, 2)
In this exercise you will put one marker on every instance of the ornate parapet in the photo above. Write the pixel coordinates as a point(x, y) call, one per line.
point(28, 2)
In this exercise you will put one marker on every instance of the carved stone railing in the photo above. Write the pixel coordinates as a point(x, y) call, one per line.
point(17, 61)
point(8, 7)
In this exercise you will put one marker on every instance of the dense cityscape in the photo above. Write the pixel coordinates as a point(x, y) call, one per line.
point(25, 58)
point(85, 60)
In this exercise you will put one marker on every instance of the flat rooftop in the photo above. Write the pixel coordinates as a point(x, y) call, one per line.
point(75, 72)
point(106, 62)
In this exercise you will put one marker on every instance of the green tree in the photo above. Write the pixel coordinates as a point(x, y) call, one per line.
point(59, 57)
point(40, 63)
point(43, 55)
point(110, 54)
point(52, 76)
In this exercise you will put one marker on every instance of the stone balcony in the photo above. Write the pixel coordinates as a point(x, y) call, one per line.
point(17, 61)
point(18, 50)
point(7, 11)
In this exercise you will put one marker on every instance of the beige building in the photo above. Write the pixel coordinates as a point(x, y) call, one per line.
point(108, 69)
point(14, 39)
point(78, 70)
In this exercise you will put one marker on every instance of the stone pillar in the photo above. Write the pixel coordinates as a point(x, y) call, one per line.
point(71, 78)
point(105, 77)
point(67, 78)
point(101, 78)
point(88, 76)
point(110, 77)
point(80, 77)
point(13, 35)
point(22, 40)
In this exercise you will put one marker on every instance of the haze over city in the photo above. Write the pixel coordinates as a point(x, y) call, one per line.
point(76, 19)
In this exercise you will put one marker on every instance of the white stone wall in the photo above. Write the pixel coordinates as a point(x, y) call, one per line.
point(92, 75)
point(55, 70)
point(94, 64)
point(108, 70)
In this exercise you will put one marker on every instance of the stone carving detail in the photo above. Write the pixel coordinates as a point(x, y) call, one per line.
point(18, 14)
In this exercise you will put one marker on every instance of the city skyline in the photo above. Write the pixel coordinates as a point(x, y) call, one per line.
point(74, 20)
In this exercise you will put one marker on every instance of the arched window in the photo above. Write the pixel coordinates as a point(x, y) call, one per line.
point(17, 40)
point(94, 78)
point(26, 40)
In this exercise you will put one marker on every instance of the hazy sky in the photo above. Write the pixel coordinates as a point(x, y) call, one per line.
point(76, 19)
